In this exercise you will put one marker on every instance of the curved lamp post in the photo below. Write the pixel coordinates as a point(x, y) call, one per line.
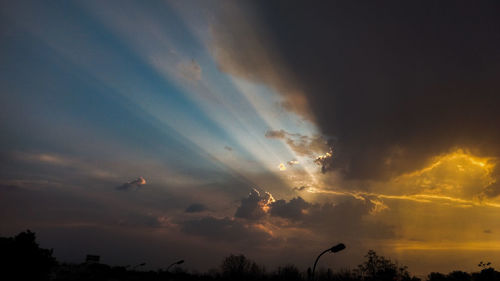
point(177, 262)
point(334, 249)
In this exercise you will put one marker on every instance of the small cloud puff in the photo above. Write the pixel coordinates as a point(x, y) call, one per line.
point(137, 183)
point(325, 161)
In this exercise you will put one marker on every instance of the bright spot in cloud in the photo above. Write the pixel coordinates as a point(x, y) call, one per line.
point(282, 167)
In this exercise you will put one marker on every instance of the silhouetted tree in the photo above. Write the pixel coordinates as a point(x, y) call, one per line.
point(436, 276)
point(239, 267)
point(22, 259)
point(288, 272)
point(345, 275)
point(484, 265)
point(488, 273)
point(458, 276)
point(381, 269)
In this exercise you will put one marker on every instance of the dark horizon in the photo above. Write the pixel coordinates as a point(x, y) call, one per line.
point(22, 259)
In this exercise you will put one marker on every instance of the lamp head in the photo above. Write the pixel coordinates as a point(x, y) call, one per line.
point(337, 248)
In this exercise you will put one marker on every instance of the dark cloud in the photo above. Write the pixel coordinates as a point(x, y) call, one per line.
point(343, 218)
point(492, 190)
point(139, 220)
point(252, 207)
point(294, 209)
point(196, 208)
point(395, 84)
point(9, 187)
point(300, 188)
point(137, 183)
point(51, 205)
point(224, 229)
point(301, 144)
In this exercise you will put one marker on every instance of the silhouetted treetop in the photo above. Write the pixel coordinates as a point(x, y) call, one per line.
point(381, 269)
point(22, 259)
point(240, 267)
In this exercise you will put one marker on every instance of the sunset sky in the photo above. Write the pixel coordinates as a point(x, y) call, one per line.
point(152, 131)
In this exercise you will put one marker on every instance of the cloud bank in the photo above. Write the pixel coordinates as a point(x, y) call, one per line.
point(394, 85)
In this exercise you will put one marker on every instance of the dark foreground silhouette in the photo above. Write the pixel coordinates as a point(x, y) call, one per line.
point(21, 258)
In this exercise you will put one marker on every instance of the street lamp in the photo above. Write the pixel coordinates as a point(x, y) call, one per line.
point(177, 262)
point(337, 248)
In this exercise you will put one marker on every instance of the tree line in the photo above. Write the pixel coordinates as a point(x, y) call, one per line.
point(21, 258)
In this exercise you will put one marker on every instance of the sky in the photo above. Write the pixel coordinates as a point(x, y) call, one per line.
point(164, 130)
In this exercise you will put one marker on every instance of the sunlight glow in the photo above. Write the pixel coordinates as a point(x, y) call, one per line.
point(282, 167)
point(461, 159)
point(446, 246)
point(457, 178)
